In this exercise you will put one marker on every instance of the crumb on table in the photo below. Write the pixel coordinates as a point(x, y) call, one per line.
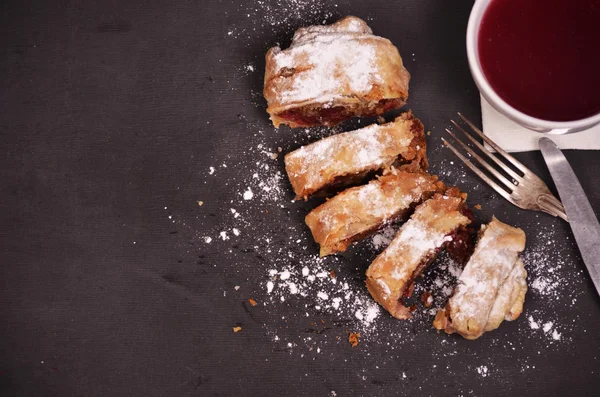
point(353, 339)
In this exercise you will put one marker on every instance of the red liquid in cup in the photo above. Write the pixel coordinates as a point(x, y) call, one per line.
point(543, 56)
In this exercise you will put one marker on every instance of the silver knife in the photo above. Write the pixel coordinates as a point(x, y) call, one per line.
point(583, 221)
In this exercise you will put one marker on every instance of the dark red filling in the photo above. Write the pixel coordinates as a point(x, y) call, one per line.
point(385, 105)
point(459, 248)
point(334, 115)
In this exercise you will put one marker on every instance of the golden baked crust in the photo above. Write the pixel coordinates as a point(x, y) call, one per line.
point(346, 158)
point(416, 244)
point(332, 73)
point(492, 286)
point(357, 212)
point(511, 296)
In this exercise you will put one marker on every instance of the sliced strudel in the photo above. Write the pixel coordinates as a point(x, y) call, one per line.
point(332, 73)
point(492, 286)
point(357, 212)
point(343, 159)
point(433, 226)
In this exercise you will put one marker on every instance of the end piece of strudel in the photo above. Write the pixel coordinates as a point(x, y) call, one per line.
point(492, 286)
point(331, 73)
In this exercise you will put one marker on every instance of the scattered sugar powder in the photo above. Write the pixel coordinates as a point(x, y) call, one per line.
point(293, 288)
point(482, 370)
point(370, 312)
point(248, 194)
point(548, 329)
point(311, 285)
point(555, 335)
point(336, 303)
point(533, 324)
point(278, 16)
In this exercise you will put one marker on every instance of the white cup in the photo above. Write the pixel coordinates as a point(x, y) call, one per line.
point(532, 123)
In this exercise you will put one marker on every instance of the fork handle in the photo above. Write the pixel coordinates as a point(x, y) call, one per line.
point(583, 221)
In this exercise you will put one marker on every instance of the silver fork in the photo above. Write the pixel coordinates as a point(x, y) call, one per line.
point(526, 191)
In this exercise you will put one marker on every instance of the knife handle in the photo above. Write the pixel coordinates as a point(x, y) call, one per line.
point(582, 219)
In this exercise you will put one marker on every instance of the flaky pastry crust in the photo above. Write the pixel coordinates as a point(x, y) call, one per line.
point(358, 212)
point(346, 158)
point(333, 72)
point(492, 286)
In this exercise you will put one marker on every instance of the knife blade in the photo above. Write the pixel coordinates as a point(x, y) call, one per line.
point(582, 219)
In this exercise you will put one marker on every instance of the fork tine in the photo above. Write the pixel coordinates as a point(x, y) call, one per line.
point(497, 148)
point(563, 215)
point(551, 202)
point(552, 210)
point(556, 202)
point(496, 160)
point(548, 210)
point(481, 161)
point(480, 173)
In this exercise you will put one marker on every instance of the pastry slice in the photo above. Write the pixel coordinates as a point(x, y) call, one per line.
point(357, 212)
point(492, 286)
point(343, 159)
point(332, 73)
point(433, 226)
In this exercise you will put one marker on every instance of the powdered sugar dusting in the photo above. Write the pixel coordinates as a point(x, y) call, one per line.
point(383, 238)
point(248, 194)
point(415, 241)
point(278, 15)
point(311, 280)
point(349, 153)
point(533, 324)
point(364, 208)
point(329, 63)
point(548, 329)
point(482, 370)
point(483, 278)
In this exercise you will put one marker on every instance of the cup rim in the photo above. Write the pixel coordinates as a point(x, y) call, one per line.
point(494, 99)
